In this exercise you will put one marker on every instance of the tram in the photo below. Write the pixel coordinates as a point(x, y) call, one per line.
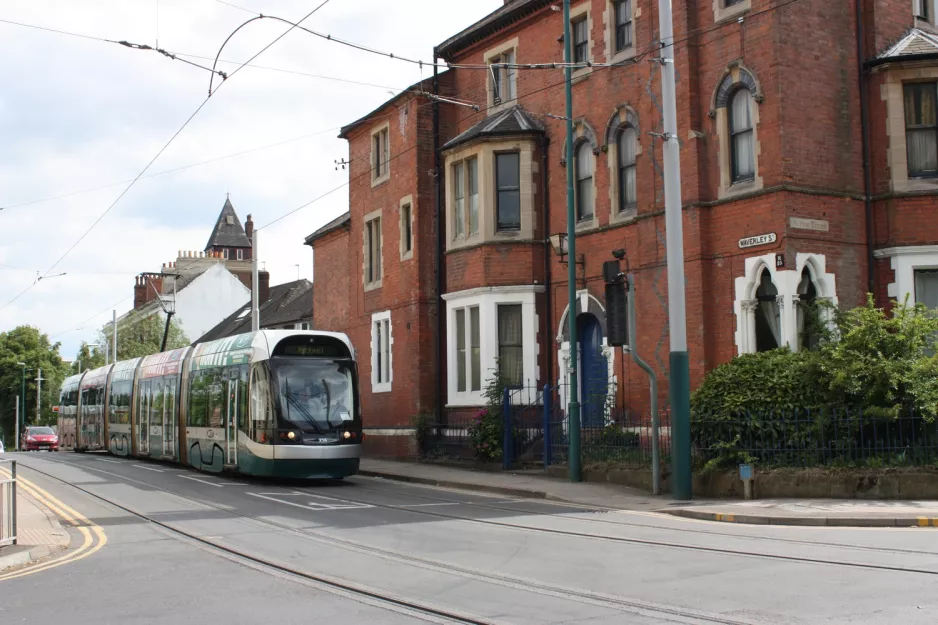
point(276, 403)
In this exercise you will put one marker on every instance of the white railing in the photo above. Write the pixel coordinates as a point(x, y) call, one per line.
point(7, 502)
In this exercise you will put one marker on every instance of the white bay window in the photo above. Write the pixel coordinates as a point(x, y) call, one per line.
point(490, 327)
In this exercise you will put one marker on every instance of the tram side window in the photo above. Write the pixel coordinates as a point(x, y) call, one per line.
point(170, 406)
point(261, 413)
point(243, 397)
point(216, 399)
point(198, 404)
point(156, 403)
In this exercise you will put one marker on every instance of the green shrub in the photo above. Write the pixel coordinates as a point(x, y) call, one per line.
point(485, 433)
point(867, 363)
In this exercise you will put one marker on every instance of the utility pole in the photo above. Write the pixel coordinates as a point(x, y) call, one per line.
point(16, 441)
point(23, 392)
point(39, 379)
point(114, 323)
point(255, 320)
point(573, 410)
point(679, 381)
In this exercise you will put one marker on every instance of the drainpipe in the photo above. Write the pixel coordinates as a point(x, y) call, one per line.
point(440, 304)
point(549, 299)
point(867, 168)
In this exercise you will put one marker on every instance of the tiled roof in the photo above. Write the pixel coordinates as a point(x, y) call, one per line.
point(228, 234)
point(914, 43)
point(491, 23)
point(513, 121)
point(335, 224)
point(288, 303)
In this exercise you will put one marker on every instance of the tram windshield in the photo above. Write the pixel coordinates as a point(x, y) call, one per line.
point(316, 395)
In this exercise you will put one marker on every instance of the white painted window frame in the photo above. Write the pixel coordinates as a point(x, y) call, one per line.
point(905, 261)
point(786, 282)
point(382, 318)
point(488, 299)
point(564, 357)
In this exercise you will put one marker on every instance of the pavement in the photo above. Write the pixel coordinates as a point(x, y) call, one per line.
point(536, 485)
point(39, 534)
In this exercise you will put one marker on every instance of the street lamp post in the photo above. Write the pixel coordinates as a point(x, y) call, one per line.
point(22, 415)
point(574, 407)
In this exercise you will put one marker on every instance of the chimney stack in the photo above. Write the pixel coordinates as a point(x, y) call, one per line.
point(249, 229)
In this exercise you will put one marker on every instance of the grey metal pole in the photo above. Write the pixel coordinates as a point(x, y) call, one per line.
point(575, 457)
point(13, 503)
point(255, 320)
point(653, 380)
point(679, 387)
point(39, 396)
point(114, 322)
point(16, 441)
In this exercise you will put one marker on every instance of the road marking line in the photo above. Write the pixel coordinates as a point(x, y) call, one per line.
point(143, 466)
point(198, 479)
point(427, 505)
point(78, 520)
point(106, 460)
point(310, 505)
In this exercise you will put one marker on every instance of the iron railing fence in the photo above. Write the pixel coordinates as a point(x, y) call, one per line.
point(829, 436)
point(7, 502)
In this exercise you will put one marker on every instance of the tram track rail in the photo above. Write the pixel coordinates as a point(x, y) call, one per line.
point(668, 613)
point(614, 539)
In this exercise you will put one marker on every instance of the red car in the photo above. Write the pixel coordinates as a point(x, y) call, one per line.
point(37, 438)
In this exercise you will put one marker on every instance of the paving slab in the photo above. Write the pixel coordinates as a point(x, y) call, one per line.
point(535, 484)
point(532, 484)
point(39, 533)
point(814, 512)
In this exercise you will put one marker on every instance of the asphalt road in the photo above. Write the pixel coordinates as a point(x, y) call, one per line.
point(184, 544)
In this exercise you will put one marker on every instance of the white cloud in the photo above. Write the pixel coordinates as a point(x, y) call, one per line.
point(77, 114)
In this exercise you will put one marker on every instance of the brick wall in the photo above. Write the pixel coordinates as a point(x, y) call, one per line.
point(804, 60)
point(331, 286)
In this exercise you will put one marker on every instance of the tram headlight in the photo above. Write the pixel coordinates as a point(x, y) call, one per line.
point(291, 435)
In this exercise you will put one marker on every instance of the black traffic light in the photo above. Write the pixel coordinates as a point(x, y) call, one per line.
point(617, 305)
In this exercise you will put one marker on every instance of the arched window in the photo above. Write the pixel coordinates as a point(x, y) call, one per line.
point(627, 181)
point(584, 182)
point(741, 137)
point(768, 325)
point(808, 313)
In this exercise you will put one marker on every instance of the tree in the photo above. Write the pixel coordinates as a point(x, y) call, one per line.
point(136, 336)
point(28, 345)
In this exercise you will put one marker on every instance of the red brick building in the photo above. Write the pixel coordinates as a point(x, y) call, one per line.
point(445, 254)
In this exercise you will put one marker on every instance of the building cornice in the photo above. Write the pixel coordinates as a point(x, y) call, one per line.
point(499, 290)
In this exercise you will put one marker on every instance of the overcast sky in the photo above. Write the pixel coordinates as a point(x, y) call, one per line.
point(79, 115)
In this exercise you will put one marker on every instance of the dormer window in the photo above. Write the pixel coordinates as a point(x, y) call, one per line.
point(581, 41)
point(380, 154)
point(504, 78)
point(229, 219)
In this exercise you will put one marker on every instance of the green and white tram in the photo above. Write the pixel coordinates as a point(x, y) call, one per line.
point(274, 403)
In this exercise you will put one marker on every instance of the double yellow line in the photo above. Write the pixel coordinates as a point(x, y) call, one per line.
point(93, 536)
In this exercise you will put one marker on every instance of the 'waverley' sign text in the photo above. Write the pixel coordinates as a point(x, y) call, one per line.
point(762, 239)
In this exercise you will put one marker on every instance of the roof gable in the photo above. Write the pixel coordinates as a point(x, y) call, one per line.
point(914, 43)
point(342, 220)
point(228, 231)
point(513, 121)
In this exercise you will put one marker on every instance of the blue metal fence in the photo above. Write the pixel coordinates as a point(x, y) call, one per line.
point(533, 431)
